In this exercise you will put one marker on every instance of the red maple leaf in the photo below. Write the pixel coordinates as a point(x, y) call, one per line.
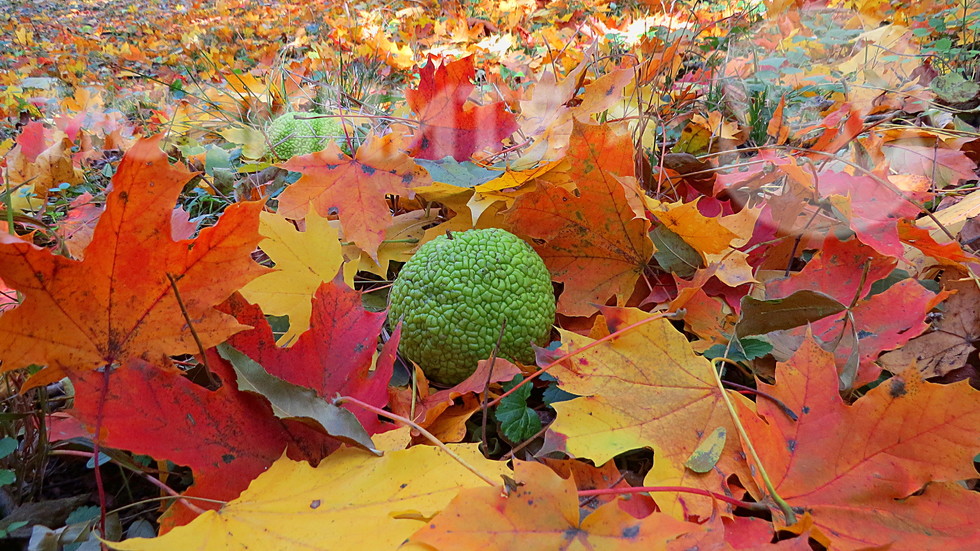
point(226, 436)
point(448, 125)
point(333, 357)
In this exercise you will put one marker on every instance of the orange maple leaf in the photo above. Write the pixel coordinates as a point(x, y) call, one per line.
point(118, 302)
point(543, 513)
point(856, 468)
point(356, 187)
point(595, 243)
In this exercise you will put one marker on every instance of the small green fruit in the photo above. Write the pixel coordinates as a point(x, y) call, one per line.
point(302, 133)
point(454, 294)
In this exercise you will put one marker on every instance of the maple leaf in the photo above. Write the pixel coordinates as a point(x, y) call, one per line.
point(645, 388)
point(432, 411)
point(303, 261)
point(846, 270)
point(594, 242)
point(118, 302)
point(929, 157)
point(705, 234)
point(870, 207)
point(78, 227)
point(226, 436)
point(334, 357)
point(380, 502)
point(550, 113)
point(542, 512)
point(856, 468)
point(448, 126)
point(356, 187)
point(8, 297)
point(31, 179)
point(951, 342)
point(32, 140)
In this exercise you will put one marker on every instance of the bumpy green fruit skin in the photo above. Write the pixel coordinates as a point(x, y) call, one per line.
point(299, 134)
point(454, 294)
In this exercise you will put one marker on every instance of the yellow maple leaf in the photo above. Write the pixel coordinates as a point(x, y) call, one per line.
point(31, 180)
point(303, 260)
point(645, 388)
point(705, 234)
point(352, 500)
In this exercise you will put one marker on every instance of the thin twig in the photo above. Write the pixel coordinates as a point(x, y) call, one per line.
point(96, 448)
point(146, 476)
point(428, 435)
point(779, 403)
point(751, 505)
point(486, 388)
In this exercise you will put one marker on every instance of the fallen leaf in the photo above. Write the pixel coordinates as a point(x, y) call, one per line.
point(594, 242)
point(859, 483)
point(335, 356)
point(295, 402)
point(118, 303)
point(798, 309)
point(380, 502)
point(356, 187)
point(227, 437)
point(645, 388)
point(950, 341)
point(448, 125)
point(303, 261)
point(543, 513)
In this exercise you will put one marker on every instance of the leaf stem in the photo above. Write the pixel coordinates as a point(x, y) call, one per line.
point(786, 509)
point(428, 435)
point(197, 339)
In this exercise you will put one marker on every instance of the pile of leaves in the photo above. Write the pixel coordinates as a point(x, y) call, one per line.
point(760, 223)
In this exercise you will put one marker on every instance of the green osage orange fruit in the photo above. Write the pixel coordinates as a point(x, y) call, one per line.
point(454, 294)
point(299, 133)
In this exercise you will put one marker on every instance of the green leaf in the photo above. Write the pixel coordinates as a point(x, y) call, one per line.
point(517, 421)
point(706, 455)
point(7, 477)
point(740, 350)
point(674, 254)
point(291, 401)
point(7, 446)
